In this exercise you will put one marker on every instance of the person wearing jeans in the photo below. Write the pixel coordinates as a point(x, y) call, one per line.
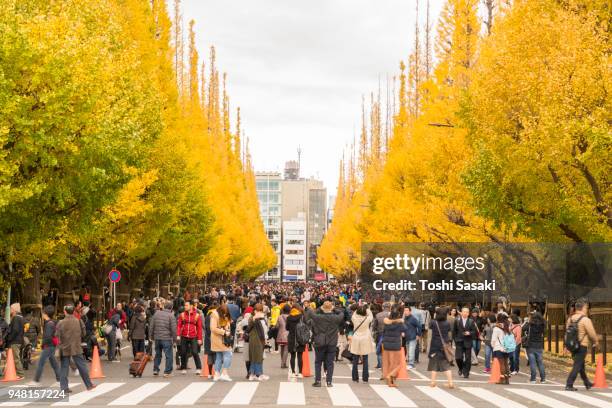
point(221, 341)
point(163, 346)
point(162, 330)
point(256, 370)
point(535, 346)
point(413, 334)
point(487, 332)
point(49, 342)
point(536, 360)
point(223, 361)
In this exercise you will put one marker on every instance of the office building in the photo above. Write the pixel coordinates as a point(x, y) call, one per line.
point(269, 195)
point(294, 249)
point(293, 200)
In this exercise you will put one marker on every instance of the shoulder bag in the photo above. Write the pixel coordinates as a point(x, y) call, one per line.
point(446, 346)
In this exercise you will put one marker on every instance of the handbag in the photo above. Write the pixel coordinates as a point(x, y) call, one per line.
point(446, 347)
point(346, 353)
point(107, 328)
point(228, 339)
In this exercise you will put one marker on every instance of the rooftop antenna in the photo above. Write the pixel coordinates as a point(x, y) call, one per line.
point(299, 152)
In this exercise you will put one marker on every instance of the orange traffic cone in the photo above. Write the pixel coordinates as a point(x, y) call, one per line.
point(403, 372)
point(306, 363)
point(205, 372)
point(10, 373)
point(495, 372)
point(96, 366)
point(600, 374)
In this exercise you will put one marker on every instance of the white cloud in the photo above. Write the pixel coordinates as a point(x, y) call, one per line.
point(298, 69)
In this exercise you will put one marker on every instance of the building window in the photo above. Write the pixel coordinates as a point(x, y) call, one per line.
point(294, 242)
point(294, 252)
point(294, 262)
point(294, 232)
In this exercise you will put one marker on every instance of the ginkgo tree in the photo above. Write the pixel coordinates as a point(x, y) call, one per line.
point(114, 152)
point(507, 139)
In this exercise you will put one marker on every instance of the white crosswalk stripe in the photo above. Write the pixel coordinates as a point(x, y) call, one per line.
point(444, 398)
point(139, 394)
point(291, 393)
point(540, 398)
point(493, 398)
point(342, 395)
point(190, 394)
point(596, 402)
point(240, 394)
point(83, 397)
point(392, 396)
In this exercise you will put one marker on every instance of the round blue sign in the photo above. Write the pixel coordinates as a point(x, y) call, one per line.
point(114, 276)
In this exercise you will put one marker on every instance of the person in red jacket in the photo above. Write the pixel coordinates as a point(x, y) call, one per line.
point(118, 310)
point(189, 333)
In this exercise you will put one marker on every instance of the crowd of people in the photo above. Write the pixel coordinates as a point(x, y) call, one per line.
point(336, 321)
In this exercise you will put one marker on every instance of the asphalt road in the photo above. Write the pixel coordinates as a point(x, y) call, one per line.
point(119, 389)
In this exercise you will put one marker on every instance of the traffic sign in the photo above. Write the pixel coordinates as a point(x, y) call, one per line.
point(114, 276)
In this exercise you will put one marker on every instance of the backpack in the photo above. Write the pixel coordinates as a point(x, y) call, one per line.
point(572, 343)
point(54, 338)
point(302, 333)
point(509, 343)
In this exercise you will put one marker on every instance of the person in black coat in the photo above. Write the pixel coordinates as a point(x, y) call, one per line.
point(535, 346)
point(295, 349)
point(325, 323)
point(464, 334)
point(439, 328)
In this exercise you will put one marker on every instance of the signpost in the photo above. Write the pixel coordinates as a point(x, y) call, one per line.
point(114, 276)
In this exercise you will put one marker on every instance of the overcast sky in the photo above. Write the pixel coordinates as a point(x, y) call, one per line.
point(298, 69)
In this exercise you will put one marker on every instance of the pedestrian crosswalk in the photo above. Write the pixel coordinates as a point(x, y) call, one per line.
point(190, 394)
point(341, 394)
point(291, 393)
point(444, 398)
point(493, 397)
point(596, 402)
point(139, 394)
point(243, 393)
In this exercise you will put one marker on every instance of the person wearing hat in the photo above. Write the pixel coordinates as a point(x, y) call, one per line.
point(325, 323)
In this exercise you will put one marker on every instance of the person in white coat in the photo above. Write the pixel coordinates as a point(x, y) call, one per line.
point(360, 341)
